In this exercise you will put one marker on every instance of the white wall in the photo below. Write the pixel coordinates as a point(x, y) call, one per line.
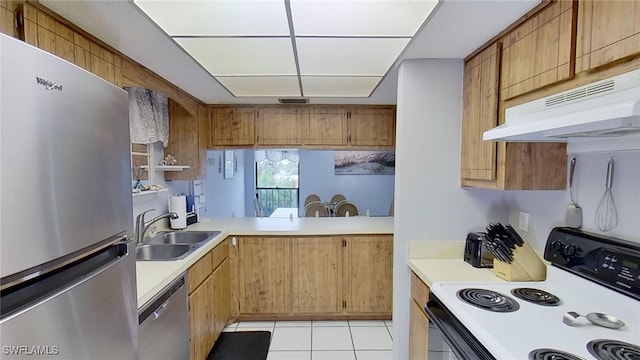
point(224, 196)
point(547, 208)
point(429, 203)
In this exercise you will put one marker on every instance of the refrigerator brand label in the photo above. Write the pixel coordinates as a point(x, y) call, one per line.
point(48, 84)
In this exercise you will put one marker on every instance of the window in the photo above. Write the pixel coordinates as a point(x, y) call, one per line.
point(277, 182)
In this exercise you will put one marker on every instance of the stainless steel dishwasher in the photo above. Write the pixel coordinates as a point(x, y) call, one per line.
point(164, 324)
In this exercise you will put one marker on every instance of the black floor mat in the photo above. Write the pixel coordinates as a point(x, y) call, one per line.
point(241, 345)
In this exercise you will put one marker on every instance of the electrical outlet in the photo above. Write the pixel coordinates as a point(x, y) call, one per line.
point(523, 221)
point(211, 161)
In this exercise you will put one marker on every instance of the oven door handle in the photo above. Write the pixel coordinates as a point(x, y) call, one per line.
point(439, 323)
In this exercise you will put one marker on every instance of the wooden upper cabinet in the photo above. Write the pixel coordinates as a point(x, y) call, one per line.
point(539, 51)
point(229, 126)
point(480, 113)
point(326, 126)
point(372, 126)
point(43, 31)
point(607, 31)
point(281, 125)
point(186, 142)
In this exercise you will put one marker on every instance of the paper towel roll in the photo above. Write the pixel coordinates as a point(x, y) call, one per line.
point(178, 204)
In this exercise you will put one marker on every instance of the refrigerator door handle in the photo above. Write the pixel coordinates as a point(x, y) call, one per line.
point(30, 294)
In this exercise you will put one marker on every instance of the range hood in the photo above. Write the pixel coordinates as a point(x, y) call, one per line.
point(603, 109)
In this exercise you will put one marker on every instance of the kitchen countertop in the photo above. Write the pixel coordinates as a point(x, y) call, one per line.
point(299, 226)
point(441, 261)
point(153, 276)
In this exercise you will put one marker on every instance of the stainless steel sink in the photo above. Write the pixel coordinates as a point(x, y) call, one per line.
point(163, 252)
point(183, 237)
point(173, 245)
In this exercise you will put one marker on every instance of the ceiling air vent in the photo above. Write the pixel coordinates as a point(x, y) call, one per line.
point(294, 101)
point(580, 93)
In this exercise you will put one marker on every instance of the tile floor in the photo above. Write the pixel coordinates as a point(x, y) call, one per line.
point(325, 340)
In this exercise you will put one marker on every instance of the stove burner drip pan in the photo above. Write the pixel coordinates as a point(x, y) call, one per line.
point(488, 300)
point(552, 354)
point(604, 349)
point(536, 296)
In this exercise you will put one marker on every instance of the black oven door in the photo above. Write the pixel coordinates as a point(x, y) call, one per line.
point(461, 341)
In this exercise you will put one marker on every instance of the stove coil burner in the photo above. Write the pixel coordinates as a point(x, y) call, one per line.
point(603, 349)
point(536, 296)
point(488, 300)
point(551, 354)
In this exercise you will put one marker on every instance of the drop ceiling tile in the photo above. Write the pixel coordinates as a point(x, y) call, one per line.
point(257, 86)
point(348, 56)
point(327, 86)
point(359, 18)
point(231, 18)
point(242, 56)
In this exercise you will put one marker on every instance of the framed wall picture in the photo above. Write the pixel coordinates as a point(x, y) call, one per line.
point(365, 162)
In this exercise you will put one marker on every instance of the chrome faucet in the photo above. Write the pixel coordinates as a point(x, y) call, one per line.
point(142, 226)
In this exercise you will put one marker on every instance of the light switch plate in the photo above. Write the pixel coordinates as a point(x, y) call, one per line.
point(523, 221)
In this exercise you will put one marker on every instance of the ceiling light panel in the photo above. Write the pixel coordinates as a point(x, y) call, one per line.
point(258, 86)
point(348, 56)
point(359, 18)
point(242, 56)
point(327, 86)
point(218, 18)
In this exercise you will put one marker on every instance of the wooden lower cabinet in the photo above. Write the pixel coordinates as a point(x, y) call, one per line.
point(369, 274)
point(418, 332)
point(316, 275)
point(418, 320)
point(263, 275)
point(221, 297)
point(201, 320)
point(209, 300)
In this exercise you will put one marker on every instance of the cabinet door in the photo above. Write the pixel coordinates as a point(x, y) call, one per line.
point(607, 31)
point(418, 333)
point(326, 126)
point(369, 284)
point(201, 320)
point(221, 298)
point(316, 275)
point(480, 113)
point(372, 126)
point(185, 142)
point(263, 279)
point(232, 126)
point(539, 51)
point(281, 126)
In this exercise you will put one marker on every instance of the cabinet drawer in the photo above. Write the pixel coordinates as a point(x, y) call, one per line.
point(199, 272)
point(219, 253)
point(419, 291)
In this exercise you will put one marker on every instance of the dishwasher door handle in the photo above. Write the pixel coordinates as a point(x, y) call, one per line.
point(156, 314)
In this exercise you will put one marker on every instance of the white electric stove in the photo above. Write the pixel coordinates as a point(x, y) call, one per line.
point(590, 273)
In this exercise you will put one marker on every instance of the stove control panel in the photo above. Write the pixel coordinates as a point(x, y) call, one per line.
point(612, 262)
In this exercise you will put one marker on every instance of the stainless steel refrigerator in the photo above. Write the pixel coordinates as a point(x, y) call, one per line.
point(68, 287)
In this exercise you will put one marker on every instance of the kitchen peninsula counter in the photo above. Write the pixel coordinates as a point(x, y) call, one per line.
point(153, 276)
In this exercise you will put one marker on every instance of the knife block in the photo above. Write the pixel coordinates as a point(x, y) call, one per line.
point(526, 266)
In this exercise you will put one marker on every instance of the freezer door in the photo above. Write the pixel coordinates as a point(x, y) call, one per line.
point(85, 311)
point(65, 161)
